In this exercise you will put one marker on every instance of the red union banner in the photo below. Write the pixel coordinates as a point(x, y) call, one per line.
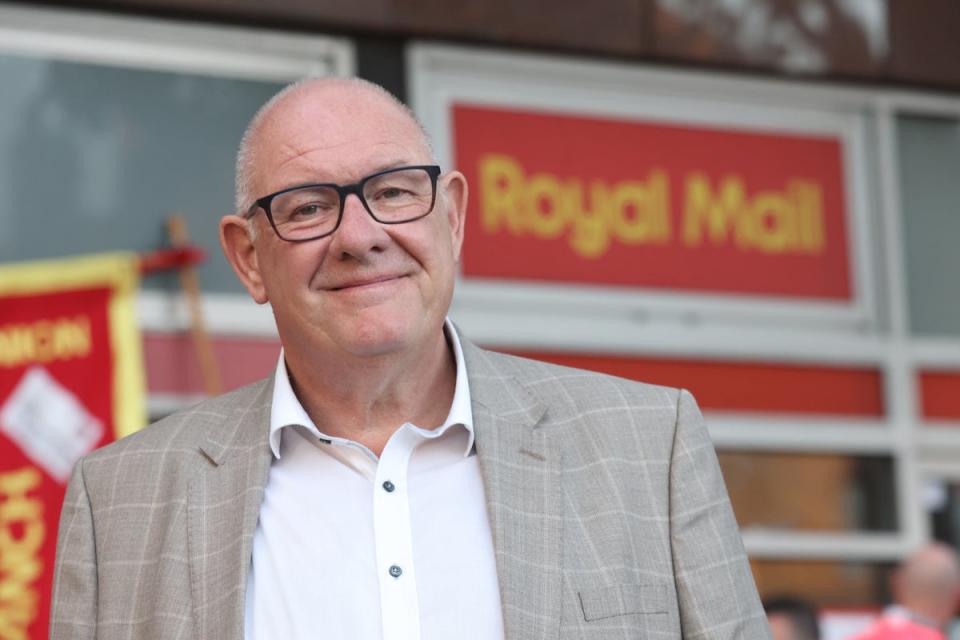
point(712, 209)
point(71, 379)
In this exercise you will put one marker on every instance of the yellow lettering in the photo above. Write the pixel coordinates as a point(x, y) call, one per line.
point(22, 533)
point(545, 206)
point(589, 236)
point(14, 345)
point(73, 337)
point(810, 215)
point(637, 212)
point(769, 218)
point(641, 212)
point(775, 222)
point(501, 189)
point(45, 341)
point(717, 211)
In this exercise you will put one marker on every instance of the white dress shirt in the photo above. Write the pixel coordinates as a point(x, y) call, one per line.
point(349, 546)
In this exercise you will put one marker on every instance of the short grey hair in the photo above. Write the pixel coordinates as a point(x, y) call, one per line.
point(243, 198)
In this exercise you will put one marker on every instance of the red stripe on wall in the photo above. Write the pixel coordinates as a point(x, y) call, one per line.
point(940, 394)
point(740, 386)
point(721, 385)
point(172, 365)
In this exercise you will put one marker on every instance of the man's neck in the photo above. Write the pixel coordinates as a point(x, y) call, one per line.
point(367, 399)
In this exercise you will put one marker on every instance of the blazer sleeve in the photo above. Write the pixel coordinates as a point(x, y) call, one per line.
point(73, 613)
point(716, 594)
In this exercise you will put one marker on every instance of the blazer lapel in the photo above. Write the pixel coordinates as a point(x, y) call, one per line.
point(520, 464)
point(223, 507)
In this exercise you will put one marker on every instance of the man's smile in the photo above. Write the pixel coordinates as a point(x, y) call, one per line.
point(359, 284)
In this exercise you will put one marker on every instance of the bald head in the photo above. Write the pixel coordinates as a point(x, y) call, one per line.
point(928, 582)
point(332, 103)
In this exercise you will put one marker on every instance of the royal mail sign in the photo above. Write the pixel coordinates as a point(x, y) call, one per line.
point(648, 204)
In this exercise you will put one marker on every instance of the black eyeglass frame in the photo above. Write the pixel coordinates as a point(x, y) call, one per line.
point(343, 191)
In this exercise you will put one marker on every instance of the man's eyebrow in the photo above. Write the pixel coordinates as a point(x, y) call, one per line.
point(385, 166)
point(392, 165)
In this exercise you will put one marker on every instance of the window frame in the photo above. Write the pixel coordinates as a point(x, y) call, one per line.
point(874, 331)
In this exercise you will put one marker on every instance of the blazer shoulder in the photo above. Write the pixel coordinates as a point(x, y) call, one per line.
point(560, 385)
point(160, 459)
point(599, 418)
point(185, 429)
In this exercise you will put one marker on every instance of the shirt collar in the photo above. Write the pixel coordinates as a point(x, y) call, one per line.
point(286, 410)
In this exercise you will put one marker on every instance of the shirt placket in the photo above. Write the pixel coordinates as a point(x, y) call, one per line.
point(400, 610)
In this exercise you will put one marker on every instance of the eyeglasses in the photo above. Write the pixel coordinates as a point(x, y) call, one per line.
point(314, 211)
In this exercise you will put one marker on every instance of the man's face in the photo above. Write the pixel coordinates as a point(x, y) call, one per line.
point(369, 288)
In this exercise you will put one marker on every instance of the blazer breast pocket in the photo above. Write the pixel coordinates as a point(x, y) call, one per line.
point(621, 600)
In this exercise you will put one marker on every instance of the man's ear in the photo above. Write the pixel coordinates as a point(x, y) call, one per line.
point(455, 195)
point(238, 246)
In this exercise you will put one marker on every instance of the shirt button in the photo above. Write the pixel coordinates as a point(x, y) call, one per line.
point(396, 571)
point(388, 486)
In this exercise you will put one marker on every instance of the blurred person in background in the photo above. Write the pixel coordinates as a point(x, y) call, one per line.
point(926, 591)
point(792, 619)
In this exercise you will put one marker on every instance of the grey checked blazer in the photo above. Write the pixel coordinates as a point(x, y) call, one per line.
point(608, 511)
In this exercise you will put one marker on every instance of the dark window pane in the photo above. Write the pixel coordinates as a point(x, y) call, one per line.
point(93, 158)
point(945, 515)
point(810, 492)
point(827, 583)
point(929, 159)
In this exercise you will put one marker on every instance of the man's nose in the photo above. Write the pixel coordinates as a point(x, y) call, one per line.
point(358, 232)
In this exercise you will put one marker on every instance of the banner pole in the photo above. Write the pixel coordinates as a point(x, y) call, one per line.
point(210, 372)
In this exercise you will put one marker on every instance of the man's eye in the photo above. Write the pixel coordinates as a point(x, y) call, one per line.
point(393, 193)
point(311, 210)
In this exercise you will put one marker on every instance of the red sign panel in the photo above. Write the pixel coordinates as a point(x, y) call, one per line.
point(568, 199)
point(70, 381)
point(761, 387)
point(939, 395)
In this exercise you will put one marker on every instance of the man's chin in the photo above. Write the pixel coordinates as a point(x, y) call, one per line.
point(371, 340)
point(374, 349)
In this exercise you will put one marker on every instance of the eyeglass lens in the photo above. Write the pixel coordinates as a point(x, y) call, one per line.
point(396, 196)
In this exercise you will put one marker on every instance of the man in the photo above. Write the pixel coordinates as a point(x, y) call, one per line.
point(792, 619)
point(392, 480)
point(926, 592)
